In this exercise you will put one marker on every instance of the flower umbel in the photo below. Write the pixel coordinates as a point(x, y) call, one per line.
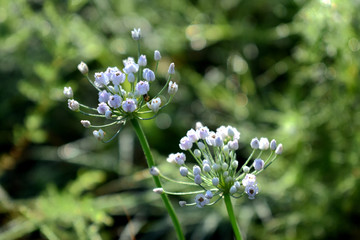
point(216, 171)
point(125, 94)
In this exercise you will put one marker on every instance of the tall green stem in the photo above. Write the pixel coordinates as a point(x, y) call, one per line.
point(150, 161)
point(232, 218)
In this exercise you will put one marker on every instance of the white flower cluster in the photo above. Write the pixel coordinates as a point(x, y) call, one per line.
point(217, 171)
point(124, 94)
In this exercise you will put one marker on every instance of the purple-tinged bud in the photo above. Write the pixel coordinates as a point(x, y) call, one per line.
point(254, 143)
point(131, 77)
point(154, 104)
point(73, 105)
point(279, 149)
point(233, 190)
point(102, 108)
point(206, 168)
point(182, 203)
point(203, 132)
point(263, 143)
point(218, 141)
point(85, 123)
point(237, 185)
point(246, 169)
point(154, 171)
point(201, 145)
point(196, 170)
point(104, 96)
point(108, 114)
point(142, 60)
point(258, 164)
point(142, 87)
point(136, 34)
point(173, 88)
point(129, 105)
point(185, 144)
point(273, 144)
point(235, 164)
point(68, 92)
point(99, 134)
point(115, 101)
point(197, 179)
point(184, 171)
point(83, 68)
point(148, 75)
point(215, 181)
point(158, 190)
point(157, 55)
point(209, 194)
point(171, 68)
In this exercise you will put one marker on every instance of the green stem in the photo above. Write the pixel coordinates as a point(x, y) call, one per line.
point(232, 218)
point(150, 161)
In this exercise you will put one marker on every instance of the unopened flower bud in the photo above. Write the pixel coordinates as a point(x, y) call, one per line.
point(246, 169)
point(198, 179)
point(197, 153)
point(157, 55)
point(273, 144)
point(209, 194)
point(235, 164)
point(228, 179)
point(224, 166)
point(154, 171)
point(68, 92)
point(254, 143)
point(158, 190)
point(206, 168)
point(108, 114)
point(196, 170)
point(131, 77)
point(216, 167)
point(258, 164)
point(237, 185)
point(83, 68)
point(215, 181)
point(233, 190)
point(73, 105)
point(184, 171)
point(279, 149)
point(201, 145)
point(226, 173)
point(172, 68)
point(85, 123)
point(182, 203)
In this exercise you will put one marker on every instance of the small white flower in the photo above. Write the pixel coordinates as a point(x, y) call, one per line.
point(136, 34)
point(192, 135)
point(99, 134)
point(249, 179)
point(68, 92)
point(180, 158)
point(73, 105)
point(201, 200)
point(185, 143)
point(251, 191)
point(154, 104)
point(173, 88)
point(263, 144)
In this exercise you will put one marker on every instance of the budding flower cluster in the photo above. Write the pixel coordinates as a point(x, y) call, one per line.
point(124, 93)
point(216, 171)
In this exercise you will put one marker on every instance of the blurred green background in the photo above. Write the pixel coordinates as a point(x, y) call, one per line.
point(286, 69)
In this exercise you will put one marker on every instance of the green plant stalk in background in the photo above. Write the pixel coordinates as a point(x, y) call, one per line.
point(232, 218)
point(151, 163)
